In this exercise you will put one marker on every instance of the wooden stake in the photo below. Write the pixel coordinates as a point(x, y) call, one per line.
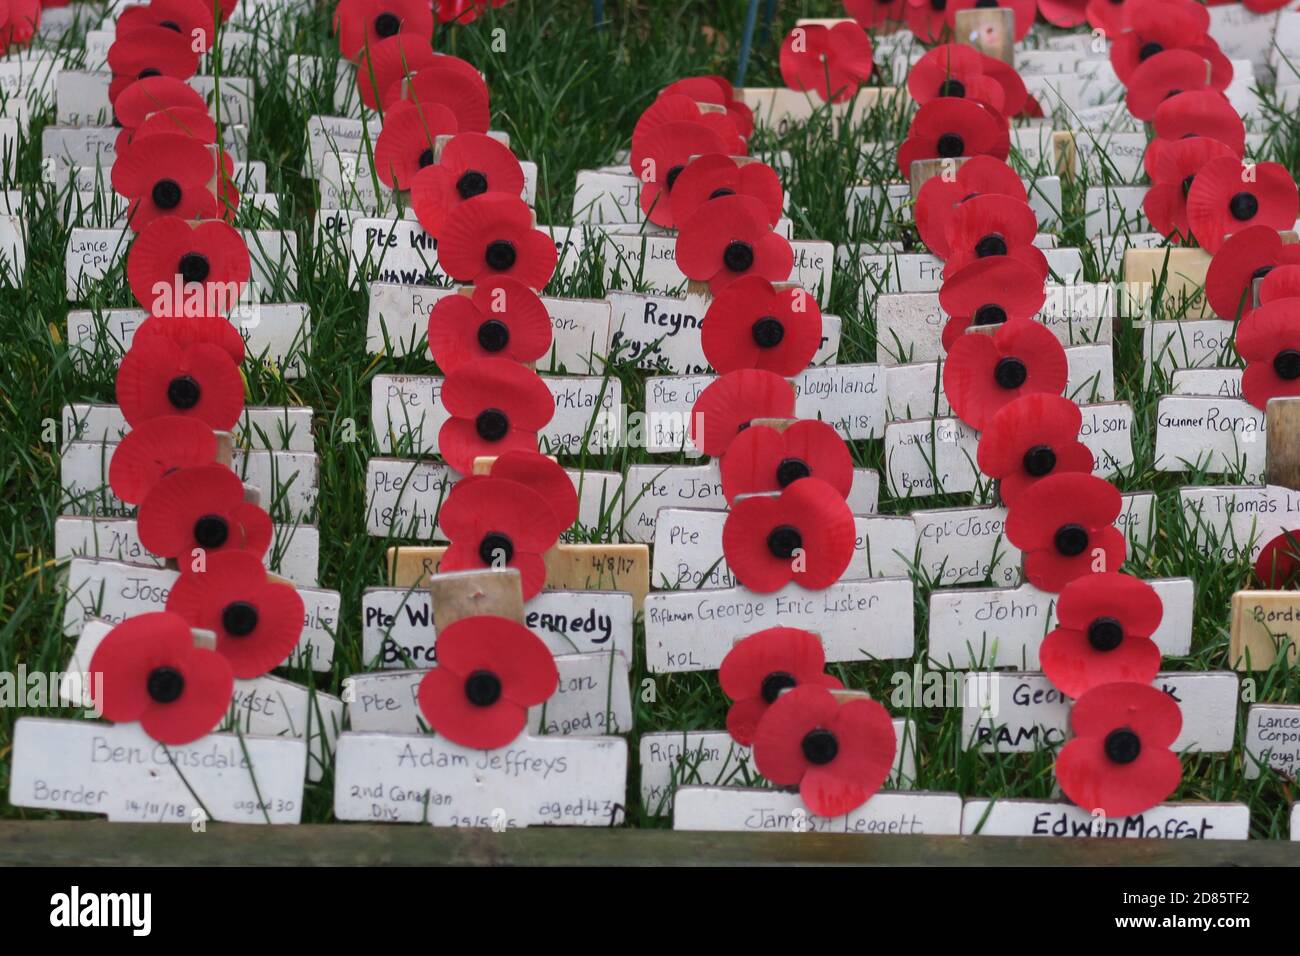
point(1262, 622)
point(991, 30)
point(779, 424)
point(923, 170)
point(461, 594)
point(1282, 453)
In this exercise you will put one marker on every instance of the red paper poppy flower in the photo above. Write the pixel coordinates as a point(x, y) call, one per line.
point(201, 509)
point(1282, 282)
point(159, 376)
point(152, 672)
point(182, 120)
point(145, 97)
point(1153, 27)
point(146, 52)
point(661, 156)
point(991, 226)
point(544, 475)
point(762, 460)
point(948, 127)
point(19, 22)
point(728, 404)
point(503, 318)
point(496, 406)
point(166, 174)
point(1264, 6)
point(874, 13)
point(191, 19)
point(1278, 564)
point(759, 668)
point(445, 82)
point(1269, 340)
point(169, 252)
point(986, 371)
point(361, 23)
point(492, 235)
point(1103, 634)
point(1253, 253)
point(1108, 16)
point(1195, 113)
point(1163, 76)
point(927, 19)
point(1015, 96)
point(1065, 526)
point(730, 239)
point(805, 534)
point(187, 331)
point(257, 621)
point(940, 198)
point(471, 164)
point(838, 755)
point(832, 62)
point(957, 70)
point(718, 91)
point(155, 448)
point(672, 108)
point(1064, 13)
point(714, 176)
point(463, 11)
point(1023, 9)
point(1029, 439)
point(495, 522)
point(1119, 761)
point(383, 67)
point(1165, 202)
point(490, 671)
point(1227, 196)
point(989, 291)
point(753, 325)
point(405, 145)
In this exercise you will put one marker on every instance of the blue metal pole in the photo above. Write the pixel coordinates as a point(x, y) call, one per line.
point(598, 12)
point(751, 17)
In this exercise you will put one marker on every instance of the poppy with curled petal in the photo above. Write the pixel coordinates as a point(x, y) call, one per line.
point(1253, 253)
point(151, 671)
point(361, 23)
point(1165, 203)
point(874, 13)
point(184, 120)
point(145, 97)
point(159, 376)
point(926, 19)
point(663, 157)
point(715, 176)
point(496, 406)
point(729, 403)
point(947, 127)
point(1103, 634)
point(838, 755)
point(1228, 196)
point(166, 174)
point(1269, 340)
point(718, 91)
point(760, 667)
point(955, 69)
point(941, 197)
point(187, 331)
point(751, 324)
point(1205, 113)
point(545, 476)
point(405, 145)
point(671, 108)
point(492, 235)
point(503, 318)
point(201, 509)
point(1119, 761)
point(762, 459)
point(447, 81)
point(989, 291)
point(1278, 564)
point(191, 19)
point(210, 254)
point(155, 448)
point(832, 62)
point(805, 534)
point(729, 238)
point(470, 165)
point(149, 51)
point(992, 226)
point(490, 671)
point(1024, 11)
point(257, 621)
point(495, 522)
point(986, 371)
point(1163, 76)
point(383, 67)
point(1065, 526)
point(1064, 13)
point(1029, 439)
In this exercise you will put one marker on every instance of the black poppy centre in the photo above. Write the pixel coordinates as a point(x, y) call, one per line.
point(1105, 634)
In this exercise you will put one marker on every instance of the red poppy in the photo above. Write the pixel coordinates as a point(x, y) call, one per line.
point(1065, 526)
point(383, 67)
point(940, 197)
point(201, 509)
point(191, 19)
point(470, 165)
point(152, 672)
point(838, 755)
point(993, 226)
point(1163, 76)
point(1103, 634)
point(490, 671)
point(18, 23)
point(257, 621)
point(718, 91)
point(1264, 6)
point(155, 448)
point(166, 174)
point(957, 70)
point(1278, 564)
point(729, 403)
point(544, 475)
point(145, 97)
point(146, 52)
point(183, 120)
point(730, 239)
point(1165, 202)
point(502, 318)
point(492, 235)
point(158, 376)
point(187, 331)
point(948, 127)
point(761, 459)
point(661, 156)
point(1119, 761)
point(714, 176)
point(804, 534)
point(759, 668)
point(989, 291)
point(987, 371)
point(1029, 439)
point(927, 19)
point(1015, 96)
point(874, 13)
point(1282, 282)
point(1195, 113)
point(672, 108)
point(1245, 256)
point(496, 406)
point(1228, 196)
point(1064, 13)
point(1023, 9)
point(362, 23)
point(495, 522)
point(832, 62)
point(463, 11)
point(446, 82)
point(1108, 16)
point(1152, 29)
point(405, 145)
point(210, 254)
point(1269, 340)
point(750, 324)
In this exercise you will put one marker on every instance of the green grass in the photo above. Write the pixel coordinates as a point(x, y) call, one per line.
point(568, 94)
